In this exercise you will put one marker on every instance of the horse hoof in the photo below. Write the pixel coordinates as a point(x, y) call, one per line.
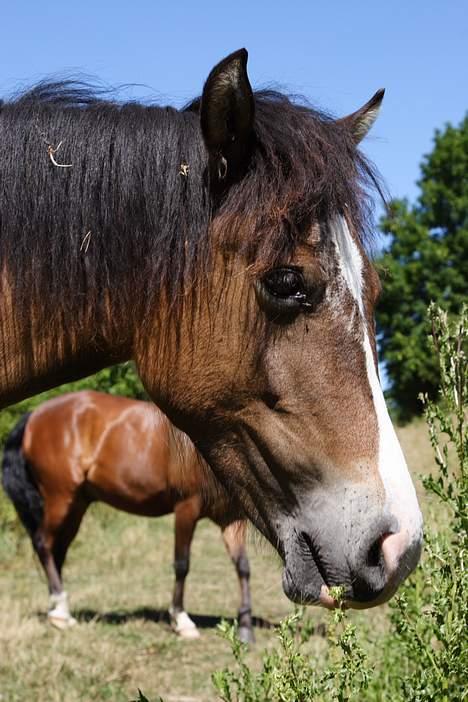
point(246, 635)
point(184, 626)
point(189, 633)
point(61, 622)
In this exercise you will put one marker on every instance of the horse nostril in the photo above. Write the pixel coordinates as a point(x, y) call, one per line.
point(371, 572)
point(393, 548)
point(374, 554)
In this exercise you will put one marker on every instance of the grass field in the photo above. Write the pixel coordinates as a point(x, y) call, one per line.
point(119, 578)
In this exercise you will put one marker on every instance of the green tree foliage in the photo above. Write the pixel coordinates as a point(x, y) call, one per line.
point(427, 260)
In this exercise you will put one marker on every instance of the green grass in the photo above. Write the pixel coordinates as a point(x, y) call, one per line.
point(119, 578)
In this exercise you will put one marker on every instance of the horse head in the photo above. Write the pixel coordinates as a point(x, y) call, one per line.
point(273, 366)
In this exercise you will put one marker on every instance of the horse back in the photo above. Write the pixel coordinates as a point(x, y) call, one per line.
point(119, 451)
point(113, 448)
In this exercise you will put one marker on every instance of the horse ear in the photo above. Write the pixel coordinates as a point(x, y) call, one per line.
point(360, 122)
point(227, 114)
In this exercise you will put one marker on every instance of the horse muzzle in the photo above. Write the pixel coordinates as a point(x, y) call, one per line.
point(369, 565)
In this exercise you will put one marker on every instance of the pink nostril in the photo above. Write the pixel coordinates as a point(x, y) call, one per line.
point(393, 547)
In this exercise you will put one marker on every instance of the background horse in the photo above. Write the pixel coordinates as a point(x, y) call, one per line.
point(222, 247)
point(87, 446)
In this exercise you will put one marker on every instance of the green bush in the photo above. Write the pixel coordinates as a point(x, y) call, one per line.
point(287, 672)
point(430, 617)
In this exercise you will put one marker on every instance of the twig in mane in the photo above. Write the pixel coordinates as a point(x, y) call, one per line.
point(184, 169)
point(86, 241)
point(53, 150)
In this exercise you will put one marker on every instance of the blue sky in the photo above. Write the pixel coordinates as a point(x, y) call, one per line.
point(335, 53)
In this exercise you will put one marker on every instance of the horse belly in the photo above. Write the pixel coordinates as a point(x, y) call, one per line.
point(126, 489)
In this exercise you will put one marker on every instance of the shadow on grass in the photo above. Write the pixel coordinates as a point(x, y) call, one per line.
point(159, 616)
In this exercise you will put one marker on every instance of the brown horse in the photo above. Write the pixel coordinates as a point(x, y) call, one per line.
point(87, 446)
point(223, 247)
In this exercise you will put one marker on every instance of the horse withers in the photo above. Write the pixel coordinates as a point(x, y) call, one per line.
point(225, 249)
point(87, 446)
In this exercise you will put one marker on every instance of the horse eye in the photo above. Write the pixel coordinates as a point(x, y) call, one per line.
point(285, 283)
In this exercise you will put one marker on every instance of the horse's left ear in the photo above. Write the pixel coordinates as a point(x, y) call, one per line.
point(360, 122)
point(227, 114)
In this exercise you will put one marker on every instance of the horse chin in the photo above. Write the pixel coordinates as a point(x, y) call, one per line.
point(303, 592)
point(315, 592)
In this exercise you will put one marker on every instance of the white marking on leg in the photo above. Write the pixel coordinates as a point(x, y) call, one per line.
point(59, 612)
point(401, 498)
point(183, 625)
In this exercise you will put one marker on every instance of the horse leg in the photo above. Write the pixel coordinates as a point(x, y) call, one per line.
point(68, 531)
point(43, 541)
point(187, 513)
point(61, 526)
point(58, 614)
point(234, 540)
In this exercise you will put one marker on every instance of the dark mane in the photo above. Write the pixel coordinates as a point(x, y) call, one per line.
point(124, 214)
point(306, 167)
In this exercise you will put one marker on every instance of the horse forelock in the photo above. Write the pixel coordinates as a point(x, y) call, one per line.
point(305, 168)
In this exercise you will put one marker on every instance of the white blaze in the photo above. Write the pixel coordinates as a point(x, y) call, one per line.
point(401, 500)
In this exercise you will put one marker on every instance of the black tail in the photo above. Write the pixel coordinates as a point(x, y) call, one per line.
point(18, 482)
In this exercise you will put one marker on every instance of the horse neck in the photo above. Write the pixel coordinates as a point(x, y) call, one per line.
point(190, 473)
point(80, 272)
point(33, 360)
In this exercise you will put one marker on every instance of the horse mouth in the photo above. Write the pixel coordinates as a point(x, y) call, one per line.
point(304, 575)
point(297, 595)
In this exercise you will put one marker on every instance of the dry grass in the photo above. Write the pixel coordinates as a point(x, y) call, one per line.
point(119, 578)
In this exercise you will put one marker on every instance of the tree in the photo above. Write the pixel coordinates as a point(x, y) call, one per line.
point(426, 260)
